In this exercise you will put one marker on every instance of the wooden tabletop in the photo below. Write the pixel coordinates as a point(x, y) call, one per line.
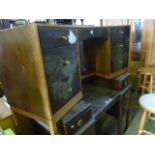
point(147, 70)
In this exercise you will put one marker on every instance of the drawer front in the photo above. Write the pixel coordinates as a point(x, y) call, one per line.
point(76, 124)
point(62, 73)
point(52, 37)
point(119, 85)
point(119, 56)
point(93, 33)
point(119, 34)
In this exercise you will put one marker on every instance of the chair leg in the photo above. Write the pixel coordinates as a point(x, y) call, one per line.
point(142, 122)
point(138, 83)
point(144, 84)
point(151, 84)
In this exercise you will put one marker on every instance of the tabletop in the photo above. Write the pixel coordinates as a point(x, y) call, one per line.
point(147, 69)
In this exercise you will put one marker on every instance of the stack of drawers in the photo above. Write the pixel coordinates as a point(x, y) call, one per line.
point(60, 56)
point(119, 41)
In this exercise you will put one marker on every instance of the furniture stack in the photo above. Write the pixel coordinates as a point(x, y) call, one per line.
point(42, 66)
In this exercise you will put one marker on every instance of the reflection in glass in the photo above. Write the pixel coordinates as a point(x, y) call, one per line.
point(137, 39)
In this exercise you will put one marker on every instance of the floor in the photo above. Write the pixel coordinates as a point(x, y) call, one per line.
point(133, 128)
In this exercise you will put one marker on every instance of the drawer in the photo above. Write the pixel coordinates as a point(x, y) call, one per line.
point(62, 74)
point(119, 35)
point(93, 33)
point(121, 82)
point(76, 118)
point(78, 123)
point(119, 56)
point(52, 37)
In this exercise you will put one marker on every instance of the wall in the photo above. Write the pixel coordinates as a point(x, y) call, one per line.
point(148, 42)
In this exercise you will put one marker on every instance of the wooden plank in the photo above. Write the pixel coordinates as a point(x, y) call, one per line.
point(87, 76)
point(112, 75)
point(29, 115)
point(67, 107)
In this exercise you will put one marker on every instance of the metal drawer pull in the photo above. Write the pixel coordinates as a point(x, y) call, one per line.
point(72, 126)
point(79, 123)
point(122, 32)
point(121, 45)
point(64, 38)
point(91, 32)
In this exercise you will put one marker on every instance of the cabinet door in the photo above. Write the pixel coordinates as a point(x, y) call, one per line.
point(62, 73)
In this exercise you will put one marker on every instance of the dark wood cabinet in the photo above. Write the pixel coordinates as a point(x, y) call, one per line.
point(113, 55)
point(39, 69)
point(41, 66)
point(119, 42)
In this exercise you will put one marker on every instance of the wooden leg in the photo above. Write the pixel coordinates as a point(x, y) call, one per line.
point(138, 83)
point(142, 122)
point(144, 83)
point(151, 84)
point(52, 127)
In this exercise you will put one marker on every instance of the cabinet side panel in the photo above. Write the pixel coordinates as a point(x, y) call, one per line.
point(19, 70)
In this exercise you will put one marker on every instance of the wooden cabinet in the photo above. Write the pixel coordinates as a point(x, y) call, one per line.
point(40, 65)
point(39, 70)
point(113, 55)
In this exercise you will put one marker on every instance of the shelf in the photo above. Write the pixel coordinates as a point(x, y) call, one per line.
point(87, 75)
point(113, 74)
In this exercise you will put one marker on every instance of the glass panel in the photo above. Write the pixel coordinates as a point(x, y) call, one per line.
point(137, 39)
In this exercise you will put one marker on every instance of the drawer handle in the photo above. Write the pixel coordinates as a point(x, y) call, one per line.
point(121, 45)
point(125, 84)
point(79, 123)
point(64, 38)
point(91, 32)
point(72, 126)
point(125, 107)
point(122, 32)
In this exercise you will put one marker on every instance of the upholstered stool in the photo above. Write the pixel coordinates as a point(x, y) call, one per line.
point(147, 102)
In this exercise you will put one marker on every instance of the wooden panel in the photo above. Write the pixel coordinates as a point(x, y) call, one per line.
point(113, 74)
point(103, 58)
point(148, 41)
point(22, 72)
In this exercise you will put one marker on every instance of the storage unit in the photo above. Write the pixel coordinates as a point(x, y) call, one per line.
point(39, 70)
point(113, 55)
point(40, 66)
